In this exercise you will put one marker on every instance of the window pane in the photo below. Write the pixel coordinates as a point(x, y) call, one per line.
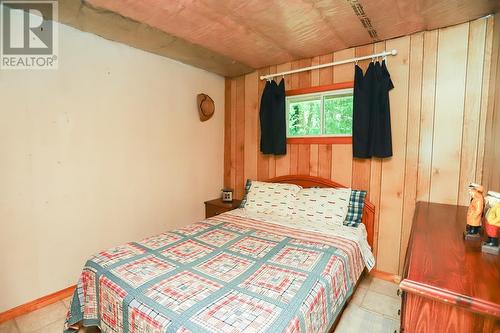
point(304, 117)
point(338, 114)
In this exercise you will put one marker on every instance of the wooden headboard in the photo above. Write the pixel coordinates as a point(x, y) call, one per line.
point(310, 181)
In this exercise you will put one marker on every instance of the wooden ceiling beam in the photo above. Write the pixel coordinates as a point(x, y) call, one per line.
point(115, 27)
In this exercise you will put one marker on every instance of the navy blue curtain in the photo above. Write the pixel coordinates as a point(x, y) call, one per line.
point(273, 119)
point(371, 123)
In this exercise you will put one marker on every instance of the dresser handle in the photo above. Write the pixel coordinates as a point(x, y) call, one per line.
point(399, 312)
point(398, 292)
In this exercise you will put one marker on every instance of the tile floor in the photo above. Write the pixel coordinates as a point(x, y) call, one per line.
point(373, 308)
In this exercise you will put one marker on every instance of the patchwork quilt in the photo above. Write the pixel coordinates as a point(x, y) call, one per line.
point(226, 274)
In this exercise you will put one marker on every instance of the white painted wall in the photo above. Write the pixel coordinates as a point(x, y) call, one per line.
point(106, 149)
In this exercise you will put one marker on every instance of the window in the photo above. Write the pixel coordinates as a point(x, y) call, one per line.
point(320, 114)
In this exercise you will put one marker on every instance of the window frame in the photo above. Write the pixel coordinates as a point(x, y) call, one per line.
point(325, 90)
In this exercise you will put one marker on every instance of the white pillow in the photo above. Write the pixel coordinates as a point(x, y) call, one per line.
point(271, 198)
point(329, 205)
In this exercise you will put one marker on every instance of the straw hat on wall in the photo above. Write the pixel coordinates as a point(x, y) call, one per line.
point(206, 106)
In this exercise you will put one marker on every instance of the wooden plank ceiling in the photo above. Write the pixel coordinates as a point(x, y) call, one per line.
point(233, 37)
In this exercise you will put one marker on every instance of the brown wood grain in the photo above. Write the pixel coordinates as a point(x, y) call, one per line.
point(303, 159)
point(450, 94)
point(315, 72)
point(472, 108)
point(449, 284)
point(324, 160)
point(283, 163)
point(272, 166)
point(341, 163)
point(343, 73)
point(293, 78)
point(232, 164)
point(294, 159)
point(491, 178)
point(240, 138)
point(412, 140)
point(227, 132)
point(393, 168)
point(335, 140)
point(442, 266)
point(426, 315)
point(374, 196)
point(304, 77)
point(283, 68)
point(314, 160)
point(361, 169)
point(262, 160)
point(486, 103)
point(426, 143)
point(376, 177)
point(394, 185)
point(325, 74)
point(385, 276)
point(251, 149)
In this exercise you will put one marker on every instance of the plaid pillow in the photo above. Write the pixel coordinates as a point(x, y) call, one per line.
point(247, 188)
point(355, 211)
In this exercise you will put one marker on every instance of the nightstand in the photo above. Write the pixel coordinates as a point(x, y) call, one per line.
point(217, 206)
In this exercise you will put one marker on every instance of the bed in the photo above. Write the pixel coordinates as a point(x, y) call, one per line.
point(235, 272)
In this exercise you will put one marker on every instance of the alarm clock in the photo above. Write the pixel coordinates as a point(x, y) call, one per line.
point(227, 195)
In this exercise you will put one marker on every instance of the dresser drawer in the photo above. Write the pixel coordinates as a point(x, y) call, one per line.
point(217, 206)
point(214, 210)
point(449, 285)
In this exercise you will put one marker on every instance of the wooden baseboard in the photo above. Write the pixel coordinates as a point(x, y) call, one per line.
point(36, 304)
point(386, 276)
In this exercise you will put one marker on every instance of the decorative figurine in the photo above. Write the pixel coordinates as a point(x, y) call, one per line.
point(475, 212)
point(492, 225)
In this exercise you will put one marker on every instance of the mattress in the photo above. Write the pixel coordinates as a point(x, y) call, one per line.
point(230, 273)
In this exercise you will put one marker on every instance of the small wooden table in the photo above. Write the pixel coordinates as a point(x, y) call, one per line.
point(217, 206)
point(448, 284)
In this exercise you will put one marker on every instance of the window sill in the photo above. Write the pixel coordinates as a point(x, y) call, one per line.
point(334, 140)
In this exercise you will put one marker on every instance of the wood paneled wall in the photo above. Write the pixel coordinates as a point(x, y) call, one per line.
point(491, 176)
point(438, 112)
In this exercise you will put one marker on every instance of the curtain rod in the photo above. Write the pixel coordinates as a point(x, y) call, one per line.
point(371, 56)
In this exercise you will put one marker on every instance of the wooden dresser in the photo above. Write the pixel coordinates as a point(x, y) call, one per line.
point(448, 284)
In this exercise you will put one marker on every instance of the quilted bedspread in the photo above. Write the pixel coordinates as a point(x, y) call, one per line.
point(226, 274)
